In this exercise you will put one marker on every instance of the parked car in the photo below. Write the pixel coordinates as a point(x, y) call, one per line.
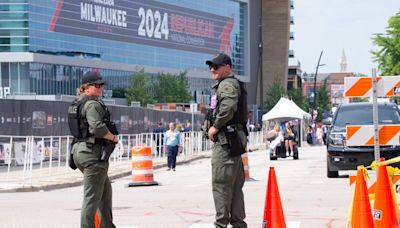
point(343, 157)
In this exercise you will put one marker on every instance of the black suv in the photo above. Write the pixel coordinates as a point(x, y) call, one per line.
point(342, 157)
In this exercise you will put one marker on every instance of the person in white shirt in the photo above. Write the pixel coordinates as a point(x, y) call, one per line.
point(276, 136)
point(172, 143)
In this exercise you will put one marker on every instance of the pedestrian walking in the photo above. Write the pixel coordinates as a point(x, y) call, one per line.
point(319, 135)
point(91, 151)
point(228, 131)
point(172, 144)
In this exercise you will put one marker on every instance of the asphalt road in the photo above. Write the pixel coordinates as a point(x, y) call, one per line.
point(184, 199)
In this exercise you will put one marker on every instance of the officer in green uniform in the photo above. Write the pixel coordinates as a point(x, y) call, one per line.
point(230, 112)
point(87, 154)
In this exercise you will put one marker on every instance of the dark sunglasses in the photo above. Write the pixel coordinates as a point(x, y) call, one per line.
point(215, 67)
point(97, 85)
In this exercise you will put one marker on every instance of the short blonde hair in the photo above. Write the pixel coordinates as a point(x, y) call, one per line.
point(82, 89)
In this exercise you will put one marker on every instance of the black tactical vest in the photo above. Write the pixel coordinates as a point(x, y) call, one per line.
point(78, 124)
point(241, 114)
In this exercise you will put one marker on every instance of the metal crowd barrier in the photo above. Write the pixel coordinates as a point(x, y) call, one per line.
point(23, 158)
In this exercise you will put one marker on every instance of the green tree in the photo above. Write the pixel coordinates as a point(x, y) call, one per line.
point(141, 89)
point(182, 92)
point(388, 54)
point(323, 103)
point(298, 98)
point(274, 92)
point(172, 88)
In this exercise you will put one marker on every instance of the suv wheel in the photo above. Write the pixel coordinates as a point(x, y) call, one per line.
point(330, 173)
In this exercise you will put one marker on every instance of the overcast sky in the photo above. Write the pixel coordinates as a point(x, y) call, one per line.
point(334, 25)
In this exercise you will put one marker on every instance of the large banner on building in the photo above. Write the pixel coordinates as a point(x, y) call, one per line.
point(49, 118)
point(144, 22)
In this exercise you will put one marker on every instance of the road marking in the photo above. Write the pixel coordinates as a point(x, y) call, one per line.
point(294, 224)
point(202, 225)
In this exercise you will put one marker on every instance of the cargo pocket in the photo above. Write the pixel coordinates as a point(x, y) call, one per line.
point(222, 172)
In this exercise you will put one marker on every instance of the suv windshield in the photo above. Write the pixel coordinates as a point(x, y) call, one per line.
point(362, 115)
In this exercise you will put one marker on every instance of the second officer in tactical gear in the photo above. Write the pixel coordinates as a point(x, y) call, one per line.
point(228, 131)
point(88, 152)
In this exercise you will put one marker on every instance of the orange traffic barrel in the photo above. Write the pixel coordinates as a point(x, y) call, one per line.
point(245, 160)
point(142, 167)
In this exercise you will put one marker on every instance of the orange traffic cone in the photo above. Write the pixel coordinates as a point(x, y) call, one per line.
point(361, 213)
point(96, 220)
point(273, 213)
point(384, 209)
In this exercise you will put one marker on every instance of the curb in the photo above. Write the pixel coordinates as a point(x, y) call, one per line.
point(51, 187)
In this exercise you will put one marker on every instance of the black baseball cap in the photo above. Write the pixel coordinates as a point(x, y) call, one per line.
point(220, 59)
point(93, 78)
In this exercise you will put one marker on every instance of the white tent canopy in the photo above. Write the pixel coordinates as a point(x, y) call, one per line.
point(285, 109)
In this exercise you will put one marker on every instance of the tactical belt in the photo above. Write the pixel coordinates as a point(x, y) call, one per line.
point(237, 126)
point(97, 141)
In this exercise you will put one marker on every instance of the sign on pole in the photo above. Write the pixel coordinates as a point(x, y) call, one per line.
point(387, 86)
point(363, 135)
point(376, 135)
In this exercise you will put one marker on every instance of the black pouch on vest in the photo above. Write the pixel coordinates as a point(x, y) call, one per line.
point(235, 144)
point(71, 162)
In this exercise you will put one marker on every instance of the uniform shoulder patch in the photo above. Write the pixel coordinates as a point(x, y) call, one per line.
point(92, 103)
point(228, 86)
point(227, 89)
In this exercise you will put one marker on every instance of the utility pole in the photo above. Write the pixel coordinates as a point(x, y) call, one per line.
point(260, 64)
point(315, 82)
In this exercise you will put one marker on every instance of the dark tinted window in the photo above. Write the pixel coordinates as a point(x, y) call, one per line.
point(354, 115)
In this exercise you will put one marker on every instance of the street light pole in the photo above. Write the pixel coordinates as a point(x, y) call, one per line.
point(315, 82)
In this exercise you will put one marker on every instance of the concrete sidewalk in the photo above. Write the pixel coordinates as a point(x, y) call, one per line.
point(61, 176)
point(46, 179)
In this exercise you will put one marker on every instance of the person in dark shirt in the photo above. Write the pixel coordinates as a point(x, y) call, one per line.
point(158, 136)
point(188, 127)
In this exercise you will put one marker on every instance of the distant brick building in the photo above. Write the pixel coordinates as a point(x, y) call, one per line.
point(334, 84)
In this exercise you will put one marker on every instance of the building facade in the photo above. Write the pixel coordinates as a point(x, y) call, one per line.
point(294, 78)
point(276, 25)
point(46, 46)
point(334, 83)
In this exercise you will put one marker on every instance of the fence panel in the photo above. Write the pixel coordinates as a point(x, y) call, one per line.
point(24, 159)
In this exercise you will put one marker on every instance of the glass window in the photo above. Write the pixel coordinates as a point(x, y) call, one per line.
point(354, 115)
point(13, 32)
point(24, 80)
point(13, 24)
point(14, 77)
point(13, 16)
point(5, 79)
point(13, 40)
point(13, 7)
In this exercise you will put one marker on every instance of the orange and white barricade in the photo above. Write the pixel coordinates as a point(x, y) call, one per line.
point(360, 86)
point(363, 135)
point(142, 167)
point(387, 86)
point(391, 86)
